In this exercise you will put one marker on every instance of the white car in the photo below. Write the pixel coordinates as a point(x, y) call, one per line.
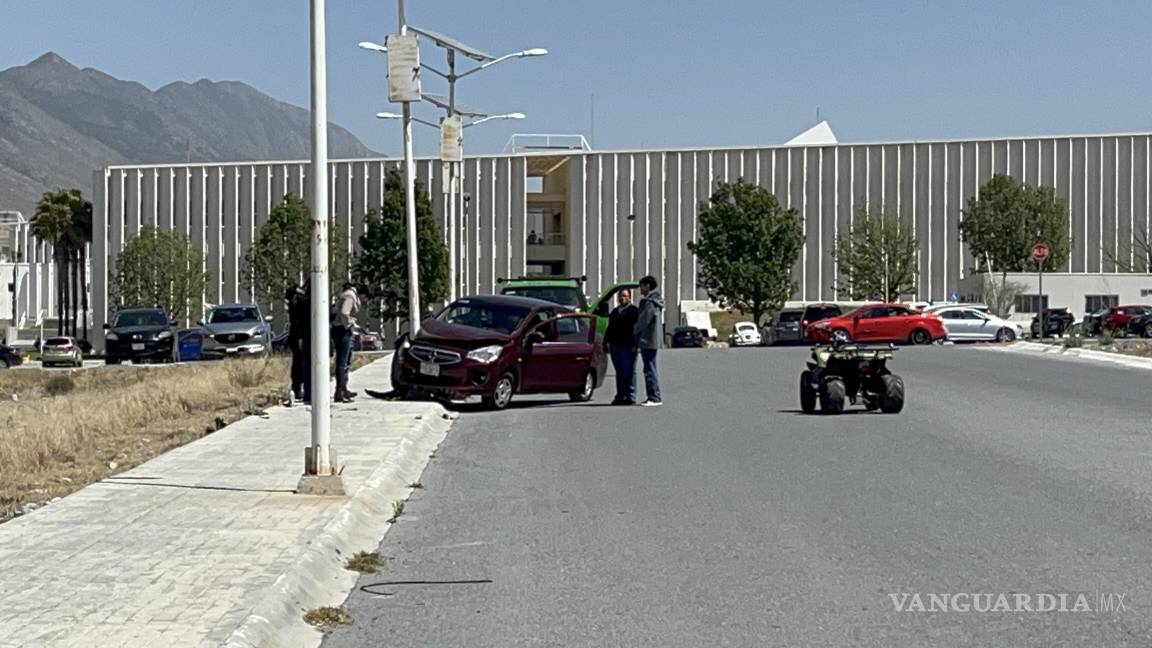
point(965, 323)
point(745, 334)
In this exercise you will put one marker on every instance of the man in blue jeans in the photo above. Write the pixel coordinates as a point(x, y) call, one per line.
point(649, 334)
point(343, 322)
point(620, 342)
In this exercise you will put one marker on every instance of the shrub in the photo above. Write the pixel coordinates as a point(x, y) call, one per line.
point(1106, 337)
point(1073, 340)
point(59, 385)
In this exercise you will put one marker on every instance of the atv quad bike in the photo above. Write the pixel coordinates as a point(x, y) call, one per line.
point(843, 371)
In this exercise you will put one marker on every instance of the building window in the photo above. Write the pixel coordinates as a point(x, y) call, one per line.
point(1031, 303)
point(1094, 303)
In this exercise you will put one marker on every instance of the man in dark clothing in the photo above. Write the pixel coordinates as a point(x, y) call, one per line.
point(620, 342)
point(299, 332)
point(649, 331)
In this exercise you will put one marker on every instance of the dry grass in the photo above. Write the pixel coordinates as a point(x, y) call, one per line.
point(363, 562)
point(114, 418)
point(327, 617)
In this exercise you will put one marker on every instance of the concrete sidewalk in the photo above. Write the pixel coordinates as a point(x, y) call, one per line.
point(208, 544)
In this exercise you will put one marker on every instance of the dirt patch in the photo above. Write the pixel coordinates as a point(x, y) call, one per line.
point(111, 419)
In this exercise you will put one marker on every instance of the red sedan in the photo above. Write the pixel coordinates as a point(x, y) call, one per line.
point(497, 346)
point(1118, 317)
point(880, 323)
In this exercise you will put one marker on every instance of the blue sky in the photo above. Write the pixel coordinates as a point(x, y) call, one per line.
point(664, 74)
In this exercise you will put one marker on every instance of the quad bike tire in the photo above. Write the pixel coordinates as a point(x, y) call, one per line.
point(832, 396)
point(807, 393)
point(892, 398)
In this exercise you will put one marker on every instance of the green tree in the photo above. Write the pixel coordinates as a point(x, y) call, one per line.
point(1006, 220)
point(63, 219)
point(876, 259)
point(281, 256)
point(382, 263)
point(159, 268)
point(747, 246)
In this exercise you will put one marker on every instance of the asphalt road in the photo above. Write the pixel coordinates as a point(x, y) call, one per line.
point(726, 518)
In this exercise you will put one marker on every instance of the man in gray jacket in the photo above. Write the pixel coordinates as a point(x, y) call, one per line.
point(649, 331)
point(344, 313)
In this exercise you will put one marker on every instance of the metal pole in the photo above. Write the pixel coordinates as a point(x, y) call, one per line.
point(1043, 330)
point(410, 204)
point(449, 189)
point(321, 461)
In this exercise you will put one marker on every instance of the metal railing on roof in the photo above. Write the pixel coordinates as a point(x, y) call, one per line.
point(526, 142)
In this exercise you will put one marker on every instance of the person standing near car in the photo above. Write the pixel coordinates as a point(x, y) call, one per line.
point(343, 321)
point(620, 343)
point(299, 330)
point(649, 331)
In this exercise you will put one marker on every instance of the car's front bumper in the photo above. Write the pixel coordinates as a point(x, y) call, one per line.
point(217, 350)
point(457, 379)
point(145, 349)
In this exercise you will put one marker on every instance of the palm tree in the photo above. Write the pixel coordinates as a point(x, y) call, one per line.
point(51, 224)
point(79, 236)
point(64, 219)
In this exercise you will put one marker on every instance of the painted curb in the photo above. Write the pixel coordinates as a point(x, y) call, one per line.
point(1085, 354)
point(318, 577)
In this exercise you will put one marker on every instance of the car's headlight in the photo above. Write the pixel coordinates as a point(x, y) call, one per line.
point(164, 335)
point(112, 337)
point(486, 355)
point(820, 325)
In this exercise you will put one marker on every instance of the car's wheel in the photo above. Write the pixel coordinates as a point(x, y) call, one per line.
point(892, 398)
point(1148, 330)
point(920, 336)
point(1005, 335)
point(807, 393)
point(841, 335)
point(585, 394)
point(3, 363)
point(832, 396)
point(502, 392)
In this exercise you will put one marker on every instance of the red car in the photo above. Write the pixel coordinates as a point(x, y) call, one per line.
point(497, 346)
point(880, 323)
point(1118, 317)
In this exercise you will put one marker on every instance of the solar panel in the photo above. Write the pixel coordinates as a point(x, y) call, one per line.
point(451, 43)
point(441, 101)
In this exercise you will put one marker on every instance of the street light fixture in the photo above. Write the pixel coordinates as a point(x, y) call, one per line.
point(388, 115)
point(451, 174)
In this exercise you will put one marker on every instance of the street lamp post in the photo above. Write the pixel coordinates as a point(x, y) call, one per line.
point(320, 474)
point(451, 168)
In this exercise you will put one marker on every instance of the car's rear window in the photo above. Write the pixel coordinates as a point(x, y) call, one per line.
point(813, 313)
point(790, 316)
point(57, 341)
point(563, 295)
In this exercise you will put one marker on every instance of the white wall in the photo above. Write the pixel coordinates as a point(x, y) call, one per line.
point(1069, 290)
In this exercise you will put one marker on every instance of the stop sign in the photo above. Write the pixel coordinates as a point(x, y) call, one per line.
point(1040, 252)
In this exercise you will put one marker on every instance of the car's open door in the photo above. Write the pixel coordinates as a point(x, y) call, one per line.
point(558, 353)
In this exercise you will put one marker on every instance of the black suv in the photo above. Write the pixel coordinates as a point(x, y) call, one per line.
point(139, 335)
point(816, 312)
point(9, 357)
point(687, 337)
point(1056, 321)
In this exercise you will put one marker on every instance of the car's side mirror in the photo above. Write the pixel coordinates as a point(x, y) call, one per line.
point(199, 322)
point(172, 323)
point(534, 337)
point(107, 326)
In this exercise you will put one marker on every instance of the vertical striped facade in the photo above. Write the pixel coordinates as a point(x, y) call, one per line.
point(632, 213)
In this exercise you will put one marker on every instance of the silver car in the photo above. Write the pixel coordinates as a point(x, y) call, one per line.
point(56, 351)
point(235, 330)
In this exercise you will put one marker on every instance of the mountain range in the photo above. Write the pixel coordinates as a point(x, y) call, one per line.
point(59, 123)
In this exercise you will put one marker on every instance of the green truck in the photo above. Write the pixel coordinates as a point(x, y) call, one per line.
point(567, 291)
